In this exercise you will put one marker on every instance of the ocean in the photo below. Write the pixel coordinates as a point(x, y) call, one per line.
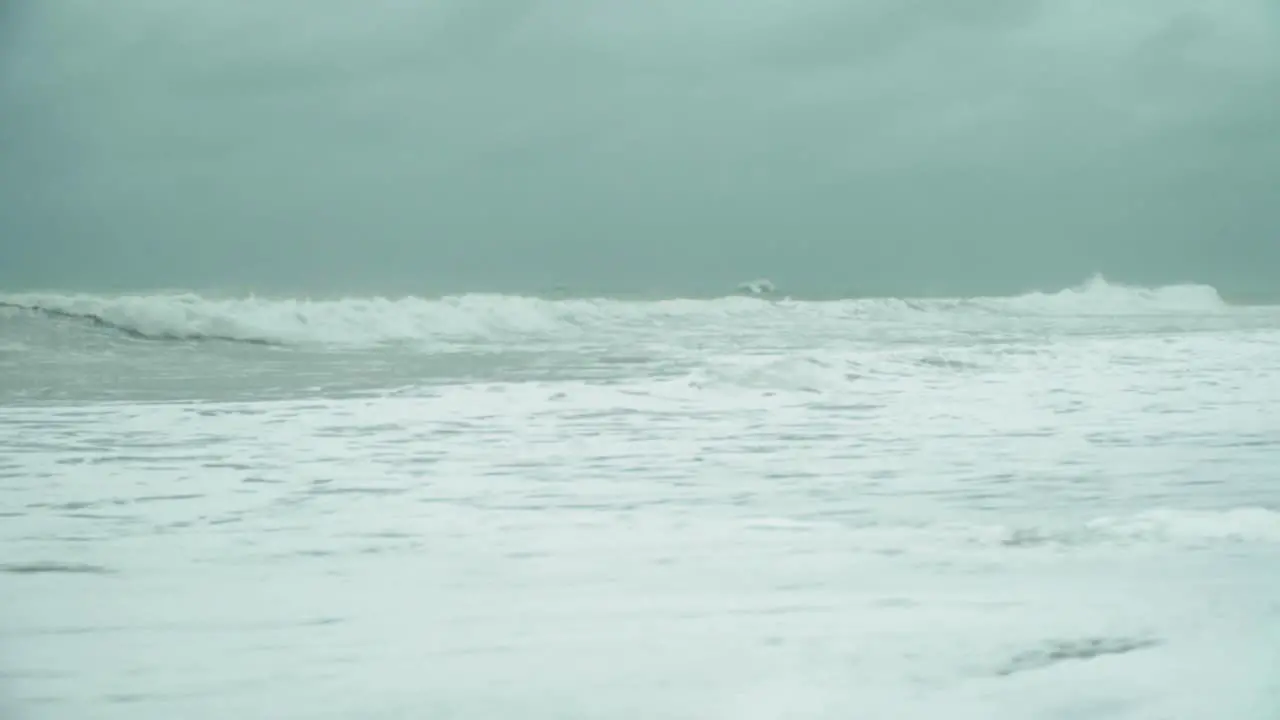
point(378, 360)
point(1053, 505)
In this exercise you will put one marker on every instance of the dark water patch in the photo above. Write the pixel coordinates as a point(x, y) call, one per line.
point(217, 412)
point(156, 461)
point(1108, 440)
point(1037, 433)
point(623, 359)
point(45, 567)
point(63, 630)
point(847, 407)
point(73, 505)
point(98, 516)
point(605, 414)
point(356, 490)
point(123, 459)
point(315, 553)
point(815, 436)
point(1259, 442)
point(1029, 537)
point(1059, 651)
point(228, 466)
point(162, 498)
point(58, 537)
point(356, 430)
point(226, 521)
point(320, 621)
point(423, 459)
point(388, 548)
point(948, 363)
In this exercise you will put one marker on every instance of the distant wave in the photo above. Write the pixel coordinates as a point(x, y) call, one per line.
point(1098, 296)
point(759, 286)
point(373, 320)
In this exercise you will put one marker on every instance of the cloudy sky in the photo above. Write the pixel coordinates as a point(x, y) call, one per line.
point(878, 146)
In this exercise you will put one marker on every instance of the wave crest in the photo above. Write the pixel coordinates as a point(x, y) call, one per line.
point(480, 317)
point(1098, 296)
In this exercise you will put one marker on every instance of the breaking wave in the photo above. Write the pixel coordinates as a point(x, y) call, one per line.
point(373, 320)
point(1098, 296)
point(128, 330)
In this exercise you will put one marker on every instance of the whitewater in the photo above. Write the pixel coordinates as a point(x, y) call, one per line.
point(1062, 504)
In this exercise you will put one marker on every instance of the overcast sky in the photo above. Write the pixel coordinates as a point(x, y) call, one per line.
point(898, 146)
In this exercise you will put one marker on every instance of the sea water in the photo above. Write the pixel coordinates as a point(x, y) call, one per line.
point(1058, 505)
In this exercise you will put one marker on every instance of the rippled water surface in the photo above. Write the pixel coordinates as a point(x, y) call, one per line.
point(1044, 507)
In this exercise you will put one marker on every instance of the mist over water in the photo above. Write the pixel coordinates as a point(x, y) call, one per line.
point(837, 148)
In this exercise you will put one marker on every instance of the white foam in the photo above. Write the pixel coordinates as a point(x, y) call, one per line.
point(729, 553)
point(1164, 528)
point(1245, 524)
point(1098, 296)
point(480, 317)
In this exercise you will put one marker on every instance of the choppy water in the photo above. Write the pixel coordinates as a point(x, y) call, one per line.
point(1051, 506)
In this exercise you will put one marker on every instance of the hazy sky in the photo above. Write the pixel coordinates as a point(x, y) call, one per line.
point(884, 146)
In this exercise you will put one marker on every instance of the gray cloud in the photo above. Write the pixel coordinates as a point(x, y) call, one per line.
point(875, 146)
